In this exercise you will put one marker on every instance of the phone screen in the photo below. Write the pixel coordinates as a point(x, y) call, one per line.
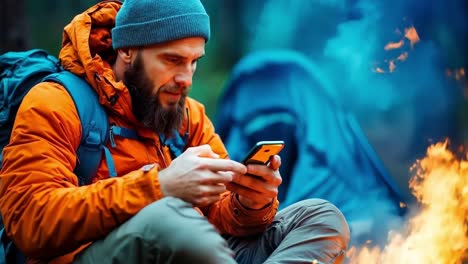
point(263, 151)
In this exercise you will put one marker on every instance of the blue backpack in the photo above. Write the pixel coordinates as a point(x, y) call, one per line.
point(20, 71)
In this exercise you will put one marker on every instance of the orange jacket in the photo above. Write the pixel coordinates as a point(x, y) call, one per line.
point(45, 212)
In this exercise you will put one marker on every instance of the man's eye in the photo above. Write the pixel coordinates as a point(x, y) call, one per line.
point(174, 60)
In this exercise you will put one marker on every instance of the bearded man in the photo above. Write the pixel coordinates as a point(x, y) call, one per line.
point(170, 203)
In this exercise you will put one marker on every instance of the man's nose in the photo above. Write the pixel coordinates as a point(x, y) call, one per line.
point(184, 79)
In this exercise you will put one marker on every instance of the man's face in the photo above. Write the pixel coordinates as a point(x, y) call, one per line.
point(159, 79)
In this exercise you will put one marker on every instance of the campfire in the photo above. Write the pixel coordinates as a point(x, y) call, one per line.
point(437, 230)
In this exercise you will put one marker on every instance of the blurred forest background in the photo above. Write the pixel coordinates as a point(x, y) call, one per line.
point(402, 107)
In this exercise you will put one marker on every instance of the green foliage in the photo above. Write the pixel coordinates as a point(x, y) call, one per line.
point(46, 20)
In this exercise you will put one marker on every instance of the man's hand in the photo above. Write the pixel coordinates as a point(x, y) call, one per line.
point(259, 186)
point(197, 176)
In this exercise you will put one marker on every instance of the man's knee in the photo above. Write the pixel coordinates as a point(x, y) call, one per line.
point(166, 219)
point(168, 230)
point(174, 227)
point(328, 216)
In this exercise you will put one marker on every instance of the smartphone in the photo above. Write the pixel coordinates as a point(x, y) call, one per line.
point(263, 151)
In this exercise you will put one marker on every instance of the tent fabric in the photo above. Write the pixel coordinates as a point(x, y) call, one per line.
point(279, 95)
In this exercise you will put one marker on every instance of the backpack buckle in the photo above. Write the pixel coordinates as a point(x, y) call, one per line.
point(93, 139)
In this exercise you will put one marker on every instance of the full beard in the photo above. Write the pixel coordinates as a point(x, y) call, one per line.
point(146, 106)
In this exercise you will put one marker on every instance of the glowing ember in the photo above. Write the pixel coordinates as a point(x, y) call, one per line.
point(403, 56)
point(391, 66)
point(459, 74)
point(412, 35)
point(379, 70)
point(438, 233)
point(394, 45)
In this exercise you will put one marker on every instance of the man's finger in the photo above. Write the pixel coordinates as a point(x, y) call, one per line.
point(224, 165)
point(216, 178)
point(250, 181)
point(212, 190)
point(275, 162)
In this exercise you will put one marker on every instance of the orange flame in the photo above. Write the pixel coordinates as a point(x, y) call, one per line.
point(412, 35)
point(439, 232)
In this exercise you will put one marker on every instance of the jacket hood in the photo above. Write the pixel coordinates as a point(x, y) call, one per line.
point(87, 52)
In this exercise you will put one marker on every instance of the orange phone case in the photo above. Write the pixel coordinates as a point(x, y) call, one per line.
point(263, 151)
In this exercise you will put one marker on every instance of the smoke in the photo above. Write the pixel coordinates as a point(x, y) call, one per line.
point(295, 24)
point(412, 103)
point(401, 96)
point(402, 108)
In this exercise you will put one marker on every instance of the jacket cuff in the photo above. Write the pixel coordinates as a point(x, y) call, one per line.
point(153, 173)
point(147, 180)
point(253, 216)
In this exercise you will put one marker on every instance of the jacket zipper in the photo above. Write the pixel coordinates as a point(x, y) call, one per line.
point(160, 153)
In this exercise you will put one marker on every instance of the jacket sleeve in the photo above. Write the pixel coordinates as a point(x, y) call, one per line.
point(228, 214)
point(40, 201)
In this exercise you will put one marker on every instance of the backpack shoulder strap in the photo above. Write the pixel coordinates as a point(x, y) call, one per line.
point(175, 142)
point(94, 125)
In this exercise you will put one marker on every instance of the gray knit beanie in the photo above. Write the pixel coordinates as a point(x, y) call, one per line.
point(146, 22)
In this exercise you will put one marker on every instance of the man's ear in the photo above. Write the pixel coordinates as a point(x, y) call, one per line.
point(125, 55)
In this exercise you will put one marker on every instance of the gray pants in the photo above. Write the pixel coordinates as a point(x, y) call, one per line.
point(171, 231)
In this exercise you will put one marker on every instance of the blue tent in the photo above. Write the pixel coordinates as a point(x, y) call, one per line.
point(279, 95)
